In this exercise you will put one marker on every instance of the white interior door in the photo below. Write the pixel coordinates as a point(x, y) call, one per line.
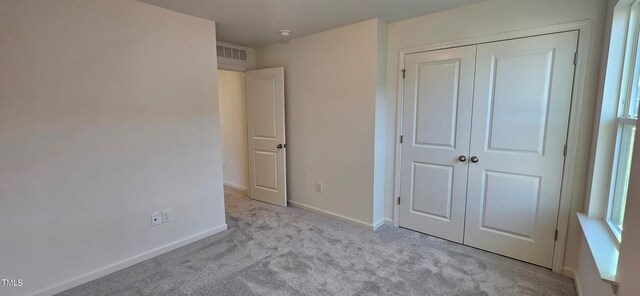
point(521, 109)
point(266, 135)
point(438, 97)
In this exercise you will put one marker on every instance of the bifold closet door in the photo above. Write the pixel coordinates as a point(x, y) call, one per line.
point(521, 107)
point(438, 98)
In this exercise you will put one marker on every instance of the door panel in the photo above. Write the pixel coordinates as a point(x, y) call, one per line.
point(266, 130)
point(264, 107)
point(504, 214)
point(436, 201)
point(436, 125)
point(267, 175)
point(533, 71)
point(436, 103)
point(521, 106)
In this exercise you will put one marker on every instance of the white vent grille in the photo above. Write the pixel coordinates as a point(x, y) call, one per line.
point(231, 53)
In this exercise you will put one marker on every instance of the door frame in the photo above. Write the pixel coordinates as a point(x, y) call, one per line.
point(584, 34)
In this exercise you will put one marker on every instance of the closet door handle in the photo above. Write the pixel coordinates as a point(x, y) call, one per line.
point(474, 159)
point(462, 158)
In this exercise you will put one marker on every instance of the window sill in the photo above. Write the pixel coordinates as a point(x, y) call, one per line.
point(603, 247)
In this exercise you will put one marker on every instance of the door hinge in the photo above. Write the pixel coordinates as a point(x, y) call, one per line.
point(556, 236)
point(566, 147)
point(403, 72)
point(401, 139)
point(398, 200)
point(575, 58)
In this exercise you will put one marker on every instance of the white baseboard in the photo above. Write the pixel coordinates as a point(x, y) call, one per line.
point(572, 273)
point(333, 215)
point(236, 186)
point(388, 221)
point(378, 224)
point(98, 273)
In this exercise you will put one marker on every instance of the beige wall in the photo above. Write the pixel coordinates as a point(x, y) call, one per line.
point(488, 18)
point(331, 83)
point(233, 119)
point(108, 113)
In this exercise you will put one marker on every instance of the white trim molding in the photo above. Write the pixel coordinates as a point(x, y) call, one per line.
point(352, 221)
point(603, 248)
point(106, 270)
point(236, 186)
point(377, 225)
point(583, 28)
point(573, 274)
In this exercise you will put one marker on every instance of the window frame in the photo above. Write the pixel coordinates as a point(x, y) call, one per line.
point(628, 91)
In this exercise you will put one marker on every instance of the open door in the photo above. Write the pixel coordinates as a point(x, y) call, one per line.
point(266, 135)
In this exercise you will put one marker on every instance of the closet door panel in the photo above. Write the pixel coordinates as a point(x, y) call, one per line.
point(437, 119)
point(522, 99)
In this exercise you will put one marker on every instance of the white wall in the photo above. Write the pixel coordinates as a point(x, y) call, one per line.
point(233, 130)
point(331, 84)
point(491, 17)
point(108, 113)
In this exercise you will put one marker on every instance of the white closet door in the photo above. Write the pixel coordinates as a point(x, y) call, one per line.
point(265, 126)
point(522, 99)
point(437, 120)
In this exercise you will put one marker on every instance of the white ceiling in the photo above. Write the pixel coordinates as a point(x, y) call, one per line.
point(255, 23)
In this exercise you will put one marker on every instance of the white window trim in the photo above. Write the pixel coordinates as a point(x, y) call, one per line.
point(603, 249)
point(601, 235)
point(622, 122)
point(608, 120)
point(630, 72)
point(615, 231)
point(627, 121)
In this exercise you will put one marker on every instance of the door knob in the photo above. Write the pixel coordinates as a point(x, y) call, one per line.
point(474, 159)
point(279, 146)
point(462, 158)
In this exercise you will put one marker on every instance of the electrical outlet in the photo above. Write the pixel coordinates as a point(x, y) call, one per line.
point(166, 218)
point(156, 219)
point(319, 187)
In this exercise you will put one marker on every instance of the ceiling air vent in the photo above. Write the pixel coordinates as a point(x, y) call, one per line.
point(231, 53)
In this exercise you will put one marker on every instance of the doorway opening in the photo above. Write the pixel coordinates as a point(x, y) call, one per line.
point(253, 133)
point(233, 131)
